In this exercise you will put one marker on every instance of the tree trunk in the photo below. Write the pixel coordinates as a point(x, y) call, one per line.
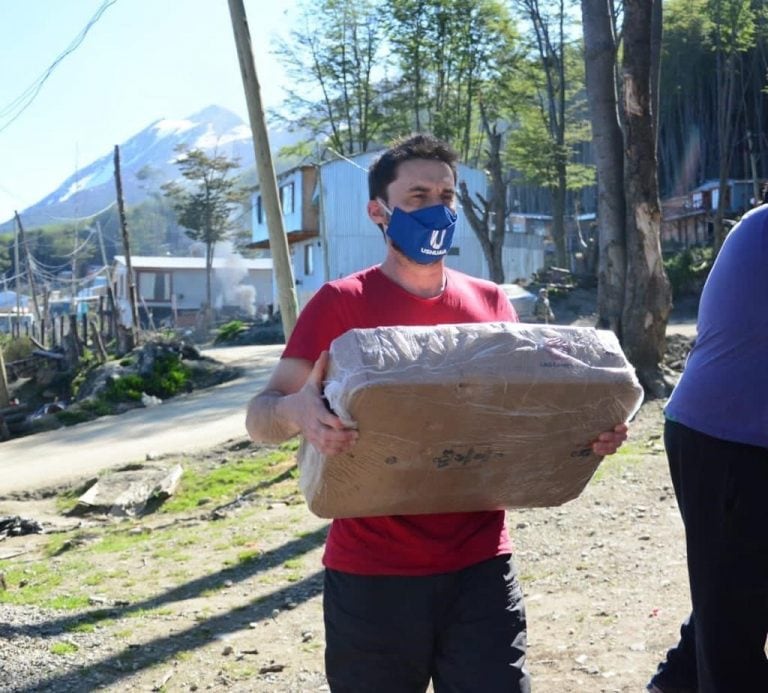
point(490, 226)
point(208, 310)
point(558, 224)
point(600, 63)
point(647, 296)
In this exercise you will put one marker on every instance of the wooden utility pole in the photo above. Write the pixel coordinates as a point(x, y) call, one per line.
point(17, 328)
point(278, 242)
point(131, 281)
point(110, 287)
point(30, 273)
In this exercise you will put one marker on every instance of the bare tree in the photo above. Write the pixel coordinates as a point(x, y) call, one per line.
point(487, 217)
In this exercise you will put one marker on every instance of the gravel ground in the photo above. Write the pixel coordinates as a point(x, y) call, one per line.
point(604, 578)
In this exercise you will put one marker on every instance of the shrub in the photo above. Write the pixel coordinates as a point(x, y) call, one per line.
point(168, 377)
point(126, 388)
point(688, 269)
point(229, 331)
point(15, 348)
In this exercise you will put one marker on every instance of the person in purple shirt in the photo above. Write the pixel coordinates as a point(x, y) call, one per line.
point(716, 437)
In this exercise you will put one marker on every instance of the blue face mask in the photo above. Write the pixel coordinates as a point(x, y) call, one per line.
point(423, 235)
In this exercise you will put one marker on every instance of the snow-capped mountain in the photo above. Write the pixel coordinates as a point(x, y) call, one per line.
point(146, 162)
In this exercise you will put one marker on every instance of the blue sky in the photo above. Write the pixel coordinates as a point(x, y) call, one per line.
point(143, 60)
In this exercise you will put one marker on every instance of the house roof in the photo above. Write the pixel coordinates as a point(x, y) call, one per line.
point(181, 263)
point(714, 184)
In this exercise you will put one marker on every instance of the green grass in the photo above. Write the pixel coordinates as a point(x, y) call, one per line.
point(81, 627)
point(628, 456)
point(228, 481)
point(64, 648)
point(102, 559)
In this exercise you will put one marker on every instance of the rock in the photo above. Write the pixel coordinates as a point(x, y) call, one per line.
point(150, 400)
point(130, 492)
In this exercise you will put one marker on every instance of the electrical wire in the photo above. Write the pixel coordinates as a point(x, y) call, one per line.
point(85, 218)
point(24, 100)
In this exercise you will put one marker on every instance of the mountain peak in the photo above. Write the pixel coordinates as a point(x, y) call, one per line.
point(213, 129)
point(221, 118)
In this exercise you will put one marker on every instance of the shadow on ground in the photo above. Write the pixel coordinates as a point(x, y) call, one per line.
point(131, 659)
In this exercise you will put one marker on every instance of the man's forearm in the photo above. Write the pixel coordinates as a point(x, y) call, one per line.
point(267, 420)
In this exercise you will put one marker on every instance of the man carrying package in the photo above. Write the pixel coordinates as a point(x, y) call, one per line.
point(407, 598)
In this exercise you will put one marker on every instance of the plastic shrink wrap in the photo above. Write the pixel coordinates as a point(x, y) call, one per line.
point(467, 417)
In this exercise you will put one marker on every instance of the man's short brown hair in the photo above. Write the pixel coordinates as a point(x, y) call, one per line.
point(419, 146)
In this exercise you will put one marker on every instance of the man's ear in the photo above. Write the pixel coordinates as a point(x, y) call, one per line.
point(377, 214)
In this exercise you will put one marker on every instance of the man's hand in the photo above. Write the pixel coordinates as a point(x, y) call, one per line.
point(609, 442)
point(318, 425)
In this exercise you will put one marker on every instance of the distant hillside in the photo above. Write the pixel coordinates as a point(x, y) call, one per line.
point(146, 162)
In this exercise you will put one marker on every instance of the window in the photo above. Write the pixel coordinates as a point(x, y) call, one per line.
point(155, 286)
point(308, 260)
point(286, 198)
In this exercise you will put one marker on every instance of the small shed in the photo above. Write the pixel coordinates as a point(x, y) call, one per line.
point(173, 288)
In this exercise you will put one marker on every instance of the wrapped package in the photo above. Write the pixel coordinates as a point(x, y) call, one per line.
point(467, 417)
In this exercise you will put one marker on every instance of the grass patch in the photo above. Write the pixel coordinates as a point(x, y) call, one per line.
point(117, 541)
point(81, 627)
point(64, 648)
point(246, 557)
point(629, 455)
point(229, 480)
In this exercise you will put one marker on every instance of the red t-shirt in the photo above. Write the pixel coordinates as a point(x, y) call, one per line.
point(403, 544)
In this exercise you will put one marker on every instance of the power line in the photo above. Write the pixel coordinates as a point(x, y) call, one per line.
point(24, 100)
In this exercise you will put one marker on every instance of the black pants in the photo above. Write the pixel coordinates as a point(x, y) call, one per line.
point(391, 634)
point(722, 492)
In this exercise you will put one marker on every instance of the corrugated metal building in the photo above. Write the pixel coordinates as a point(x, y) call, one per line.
point(335, 237)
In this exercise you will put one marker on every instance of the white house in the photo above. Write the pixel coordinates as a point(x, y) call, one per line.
point(174, 287)
point(331, 236)
point(14, 310)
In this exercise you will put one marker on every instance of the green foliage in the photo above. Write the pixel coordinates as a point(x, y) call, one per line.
point(64, 648)
point(204, 206)
point(454, 58)
point(73, 416)
point(227, 481)
point(168, 377)
point(15, 349)
point(126, 388)
point(688, 269)
point(229, 331)
point(330, 61)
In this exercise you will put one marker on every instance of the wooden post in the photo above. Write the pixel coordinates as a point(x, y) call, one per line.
point(98, 343)
point(30, 273)
point(278, 242)
point(84, 323)
point(73, 337)
point(131, 280)
point(16, 327)
point(5, 397)
point(112, 331)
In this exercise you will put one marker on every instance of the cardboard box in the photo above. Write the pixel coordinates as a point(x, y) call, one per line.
point(467, 417)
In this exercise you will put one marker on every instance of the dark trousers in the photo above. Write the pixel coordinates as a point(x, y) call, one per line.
point(722, 492)
point(391, 634)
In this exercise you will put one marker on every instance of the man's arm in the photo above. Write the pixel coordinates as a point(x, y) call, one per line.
point(292, 403)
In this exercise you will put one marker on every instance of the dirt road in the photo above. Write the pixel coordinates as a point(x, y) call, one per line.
point(185, 424)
